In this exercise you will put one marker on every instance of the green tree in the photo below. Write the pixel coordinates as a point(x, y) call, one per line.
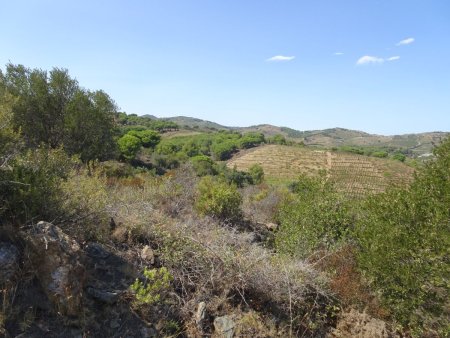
point(51, 109)
point(129, 145)
point(89, 126)
point(223, 150)
point(41, 102)
point(251, 140)
point(149, 138)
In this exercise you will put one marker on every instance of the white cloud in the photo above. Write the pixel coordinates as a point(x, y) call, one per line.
point(393, 58)
point(278, 58)
point(406, 41)
point(338, 53)
point(369, 59)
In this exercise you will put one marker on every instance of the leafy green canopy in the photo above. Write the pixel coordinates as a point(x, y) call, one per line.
point(51, 108)
point(221, 146)
point(404, 237)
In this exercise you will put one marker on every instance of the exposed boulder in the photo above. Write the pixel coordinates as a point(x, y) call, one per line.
point(9, 261)
point(224, 327)
point(148, 255)
point(56, 258)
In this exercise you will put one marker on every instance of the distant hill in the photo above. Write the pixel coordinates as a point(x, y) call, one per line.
point(191, 122)
point(420, 144)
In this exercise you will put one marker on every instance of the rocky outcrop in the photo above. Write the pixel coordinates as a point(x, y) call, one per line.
point(56, 258)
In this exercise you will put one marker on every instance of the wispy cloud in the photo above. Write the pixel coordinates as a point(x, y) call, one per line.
point(338, 53)
point(393, 58)
point(366, 59)
point(405, 41)
point(280, 58)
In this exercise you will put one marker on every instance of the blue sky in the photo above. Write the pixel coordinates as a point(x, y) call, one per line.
point(337, 63)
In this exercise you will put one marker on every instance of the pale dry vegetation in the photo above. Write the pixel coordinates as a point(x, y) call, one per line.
point(352, 174)
point(211, 260)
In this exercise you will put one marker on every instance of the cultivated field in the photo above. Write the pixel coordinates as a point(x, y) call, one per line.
point(354, 174)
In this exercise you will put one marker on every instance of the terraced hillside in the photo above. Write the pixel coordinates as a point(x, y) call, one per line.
point(354, 174)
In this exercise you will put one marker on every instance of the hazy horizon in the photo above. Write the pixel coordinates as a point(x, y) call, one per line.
point(282, 126)
point(380, 67)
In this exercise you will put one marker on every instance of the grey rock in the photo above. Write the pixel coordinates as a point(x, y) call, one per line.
point(201, 313)
point(103, 296)
point(96, 250)
point(58, 269)
point(148, 254)
point(224, 326)
point(9, 261)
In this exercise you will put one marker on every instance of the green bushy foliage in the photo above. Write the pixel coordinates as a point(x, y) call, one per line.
point(218, 199)
point(133, 121)
point(399, 157)
point(155, 286)
point(149, 138)
point(251, 140)
point(31, 186)
point(257, 173)
point(223, 150)
point(380, 154)
point(404, 239)
point(203, 165)
point(50, 108)
point(277, 139)
point(314, 216)
point(129, 145)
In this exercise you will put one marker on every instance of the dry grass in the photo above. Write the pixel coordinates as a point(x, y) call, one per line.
point(214, 262)
point(354, 175)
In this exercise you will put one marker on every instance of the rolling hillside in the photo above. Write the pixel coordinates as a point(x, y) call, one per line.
point(354, 174)
point(415, 145)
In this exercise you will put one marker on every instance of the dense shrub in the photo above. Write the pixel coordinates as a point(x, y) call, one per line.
point(404, 239)
point(251, 140)
point(313, 216)
point(31, 186)
point(257, 173)
point(218, 199)
point(399, 157)
point(83, 205)
point(277, 139)
point(203, 165)
point(380, 154)
point(129, 145)
point(223, 150)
